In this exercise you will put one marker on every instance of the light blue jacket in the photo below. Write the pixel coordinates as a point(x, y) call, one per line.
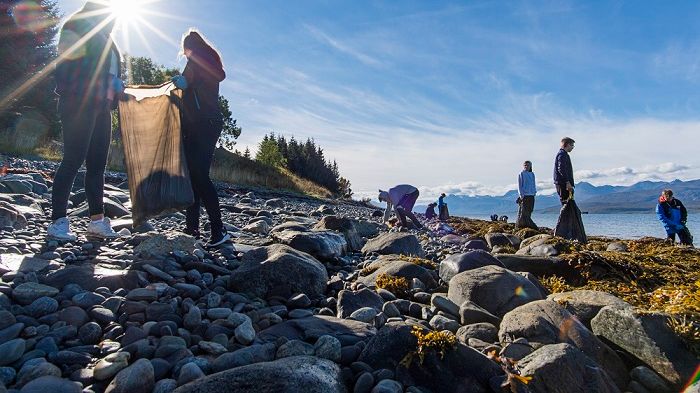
point(526, 184)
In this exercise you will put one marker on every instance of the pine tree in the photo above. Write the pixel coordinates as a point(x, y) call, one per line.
point(27, 48)
point(269, 154)
point(246, 153)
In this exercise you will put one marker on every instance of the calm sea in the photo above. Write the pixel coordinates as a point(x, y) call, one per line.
point(624, 226)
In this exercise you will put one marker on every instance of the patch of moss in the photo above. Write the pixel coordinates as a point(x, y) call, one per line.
point(399, 286)
point(369, 270)
point(426, 263)
point(438, 341)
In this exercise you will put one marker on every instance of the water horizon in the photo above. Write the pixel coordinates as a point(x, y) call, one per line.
point(627, 226)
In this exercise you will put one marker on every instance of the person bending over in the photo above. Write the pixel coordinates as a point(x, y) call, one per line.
point(673, 215)
point(401, 199)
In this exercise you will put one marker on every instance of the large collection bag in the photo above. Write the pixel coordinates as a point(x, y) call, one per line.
point(159, 182)
point(570, 224)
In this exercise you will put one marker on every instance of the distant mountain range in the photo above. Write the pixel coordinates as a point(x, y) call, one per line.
point(637, 198)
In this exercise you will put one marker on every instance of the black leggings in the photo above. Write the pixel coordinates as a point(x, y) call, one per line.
point(87, 131)
point(200, 141)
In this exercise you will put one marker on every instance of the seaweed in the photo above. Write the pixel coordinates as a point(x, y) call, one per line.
point(426, 263)
point(399, 286)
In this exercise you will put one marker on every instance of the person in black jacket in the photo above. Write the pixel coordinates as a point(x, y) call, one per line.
point(202, 123)
point(563, 171)
point(88, 83)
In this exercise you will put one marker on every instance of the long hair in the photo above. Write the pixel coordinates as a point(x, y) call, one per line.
point(202, 49)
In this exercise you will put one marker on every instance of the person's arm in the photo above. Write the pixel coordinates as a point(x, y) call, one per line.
point(387, 212)
point(521, 185)
point(661, 214)
point(534, 184)
point(684, 213)
point(569, 171)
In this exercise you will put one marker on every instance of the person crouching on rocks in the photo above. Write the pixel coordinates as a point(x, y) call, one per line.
point(202, 123)
point(401, 198)
point(526, 197)
point(673, 215)
point(430, 211)
point(88, 83)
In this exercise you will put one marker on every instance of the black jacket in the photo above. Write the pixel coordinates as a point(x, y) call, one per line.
point(563, 171)
point(84, 73)
point(675, 203)
point(203, 72)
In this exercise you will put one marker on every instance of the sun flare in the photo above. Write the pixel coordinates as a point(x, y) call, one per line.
point(125, 10)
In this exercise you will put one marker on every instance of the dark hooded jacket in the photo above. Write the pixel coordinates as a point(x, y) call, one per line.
point(563, 171)
point(84, 72)
point(203, 72)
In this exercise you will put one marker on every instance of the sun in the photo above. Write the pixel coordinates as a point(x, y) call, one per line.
point(125, 10)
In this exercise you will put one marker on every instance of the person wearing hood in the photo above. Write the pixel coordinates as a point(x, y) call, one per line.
point(88, 82)
point(401, 199)
point(202, 123)
point(673, 215)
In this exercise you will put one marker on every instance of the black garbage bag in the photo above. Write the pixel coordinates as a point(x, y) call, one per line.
point(570, 224)
point(159, 182)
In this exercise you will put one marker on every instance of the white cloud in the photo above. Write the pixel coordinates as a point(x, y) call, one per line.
point(343, 47)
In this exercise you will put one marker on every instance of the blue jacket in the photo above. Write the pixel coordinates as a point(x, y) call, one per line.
point(563, 171)
point(672, 214)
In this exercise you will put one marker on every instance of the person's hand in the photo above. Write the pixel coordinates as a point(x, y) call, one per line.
point(118, 85)
point(179, 81)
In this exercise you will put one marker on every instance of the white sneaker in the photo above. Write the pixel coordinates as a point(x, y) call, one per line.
point(60, 230)
point(102, 229)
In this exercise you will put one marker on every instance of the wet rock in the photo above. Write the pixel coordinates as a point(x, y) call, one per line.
point(458, 263)
point(28, 292)
point(493, 288)
point(545, 322)
point(351, 301)
point(324, 245)
point(647, 337)
point(562, 368)
point(399, 243)
point(137, 378)
point(51, 384)
point(279, 269)
point(298, 374)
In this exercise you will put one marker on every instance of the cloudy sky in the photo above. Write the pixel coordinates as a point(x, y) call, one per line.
point(453, 96)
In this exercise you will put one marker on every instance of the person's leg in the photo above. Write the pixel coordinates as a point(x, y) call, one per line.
point(528, 205)
point(407, 203)
point(205, 144)
point(77, 125)
point(192, 216)
point(95, 163)
point(563, 193)
point(401, 213)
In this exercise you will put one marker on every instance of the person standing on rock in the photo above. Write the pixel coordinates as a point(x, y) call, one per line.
point(401, 198)
point(526, 196)
point(563, 170)
point(88, 83)
point(674, 216)
point(202, 123)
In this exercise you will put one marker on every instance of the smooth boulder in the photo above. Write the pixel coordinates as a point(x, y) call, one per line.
point(400, 243)
point(458, 263)
point(324, 245)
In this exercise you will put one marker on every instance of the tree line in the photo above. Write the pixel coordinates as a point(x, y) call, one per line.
point(304, 159)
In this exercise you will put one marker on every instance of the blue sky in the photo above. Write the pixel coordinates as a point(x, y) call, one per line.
point(453, 96)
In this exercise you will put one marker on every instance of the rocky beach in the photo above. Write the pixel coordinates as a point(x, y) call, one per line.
point(317, 296)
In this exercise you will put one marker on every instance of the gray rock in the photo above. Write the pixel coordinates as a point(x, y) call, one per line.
point(585, 304)
point(29, 373)
point(298, 374)
point(163, 244)
point(10, 217)
point(324, 245)
point(649, 338)
point(91, 277)
point(11, 351)
point(279, 269)
point(394, 265)
point(165, 386)
point(245, 356)
point(260, 227)
point(562, 368)
point(27, 292)
point(494, 288)
point(245, 333)
point(51, 384)
point(483, 331)
point(539, 265)
point(193, 318)
point(87, 299)
point(364, 314)
point(328, 347)
point(546, 322)
point(617, 247)
point(389, 346)
point(90, 333)
point(498, 239)
point(399, 243)
point(345, 226)
point(137, 378)
point(442, 303)
point(188, 373)
point(517, 349)
point(649, 380)
point(11, 332)
point(312, 328)
point(438, 322)
point(388, 386)
point(364, 383)
point(294, 348)
point(349, 301)
point(458, 263)
point(110, 365)
point(42, 306)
